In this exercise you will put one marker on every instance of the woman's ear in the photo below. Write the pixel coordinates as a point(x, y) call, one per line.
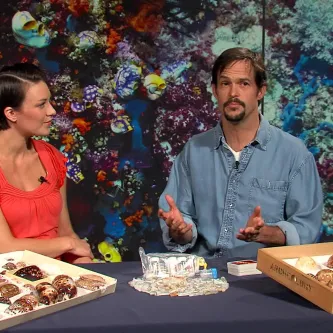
point(10, 114)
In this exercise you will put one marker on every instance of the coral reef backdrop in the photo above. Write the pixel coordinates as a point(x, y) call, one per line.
point(131, 84)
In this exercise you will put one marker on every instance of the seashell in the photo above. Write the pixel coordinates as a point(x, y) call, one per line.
point(93, 277)
point(47, 294)
point(32, 290)
point(77, 107)
point(121, 124)
point(30, 299)
point(126, 81)
point(330, 262)
point(32, 273)
point(90, 282)
point(19, 306)
point(87, 40)
point(325, 276)
point(21, 264)
point(28, 31)
point(9, 266)
point(9, 290)
point(155, 86)
point(306, 264)
point(90, 93)
point(65, 286)
point(3, 280)
point(5, 300)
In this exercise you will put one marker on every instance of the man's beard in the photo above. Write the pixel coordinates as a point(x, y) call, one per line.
point(237, 117)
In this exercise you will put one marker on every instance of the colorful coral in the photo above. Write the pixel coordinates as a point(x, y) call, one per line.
point(131, 84)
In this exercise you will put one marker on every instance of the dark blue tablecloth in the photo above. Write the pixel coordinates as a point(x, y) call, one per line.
point(255, 303)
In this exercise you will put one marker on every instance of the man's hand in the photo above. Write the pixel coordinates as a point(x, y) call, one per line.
point(257, 231)
point(251, 232)
point(179, 230)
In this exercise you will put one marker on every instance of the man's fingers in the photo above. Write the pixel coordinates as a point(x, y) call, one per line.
point(247, 237)
point(174, 225)
point(241, 237)
point(161, 213)
point(257, 211)
point(170, 202)
point(185, 229)
point(258, 223)
point(251, 231)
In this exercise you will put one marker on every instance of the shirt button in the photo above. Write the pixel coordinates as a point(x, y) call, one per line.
point(226, 230)
point(230, 205)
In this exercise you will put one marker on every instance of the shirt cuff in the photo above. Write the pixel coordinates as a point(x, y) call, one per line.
point(175, 247)
point(292, 236)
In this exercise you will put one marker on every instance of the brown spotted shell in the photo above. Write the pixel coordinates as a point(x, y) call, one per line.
point(9, 290)
point(19, 306)
point(325, 276)
point(47, 294)
point(5, 300)
point(31, 299)
point(31, 273)
point(65, 286)
point(9, 266)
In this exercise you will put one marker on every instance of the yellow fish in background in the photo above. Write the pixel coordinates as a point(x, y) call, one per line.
point(155, 86)
point(109, 252)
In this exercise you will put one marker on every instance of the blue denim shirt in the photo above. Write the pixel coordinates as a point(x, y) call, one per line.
point(217, 195)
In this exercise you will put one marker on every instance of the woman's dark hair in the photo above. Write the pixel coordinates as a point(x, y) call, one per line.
point(237, 54)
point(13, 85)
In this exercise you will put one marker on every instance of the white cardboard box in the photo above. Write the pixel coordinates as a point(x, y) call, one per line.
point(56, 267)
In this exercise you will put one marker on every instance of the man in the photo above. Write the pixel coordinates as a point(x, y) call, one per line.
point(244, 184)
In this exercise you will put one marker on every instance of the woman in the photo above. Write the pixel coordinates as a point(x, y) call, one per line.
point(33, 209)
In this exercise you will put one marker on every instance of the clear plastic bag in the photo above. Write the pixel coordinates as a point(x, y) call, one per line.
point(161, 265)
point(177, 274)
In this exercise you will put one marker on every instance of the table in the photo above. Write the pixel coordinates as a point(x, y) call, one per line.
point(253, 302)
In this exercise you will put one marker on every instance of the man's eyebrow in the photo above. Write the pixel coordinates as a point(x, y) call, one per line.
point(240, 79)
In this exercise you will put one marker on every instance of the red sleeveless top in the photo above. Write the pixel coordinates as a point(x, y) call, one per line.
point(35, 214)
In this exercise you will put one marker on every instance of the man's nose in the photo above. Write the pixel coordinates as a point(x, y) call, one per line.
point(234, 90)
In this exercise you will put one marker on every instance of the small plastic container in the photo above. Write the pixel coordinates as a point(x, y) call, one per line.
point(207, 274)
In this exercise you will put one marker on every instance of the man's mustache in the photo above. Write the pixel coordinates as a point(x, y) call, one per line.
point(234, 100)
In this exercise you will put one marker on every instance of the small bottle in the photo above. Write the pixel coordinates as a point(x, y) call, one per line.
point(207, 274)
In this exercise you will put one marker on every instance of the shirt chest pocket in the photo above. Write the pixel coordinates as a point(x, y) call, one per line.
point(270, 195)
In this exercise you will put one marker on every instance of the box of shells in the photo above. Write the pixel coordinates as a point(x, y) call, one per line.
point(32, 286)
point(305, 269)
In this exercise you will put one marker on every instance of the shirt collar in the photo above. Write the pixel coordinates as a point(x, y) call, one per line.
point(262, 137)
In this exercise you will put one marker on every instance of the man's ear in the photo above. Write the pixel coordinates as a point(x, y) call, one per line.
point(10, 114)
point(214, 90)
point(261, 92)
